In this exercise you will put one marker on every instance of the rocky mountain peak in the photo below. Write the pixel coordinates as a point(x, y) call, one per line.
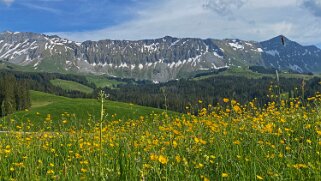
point(160, 59)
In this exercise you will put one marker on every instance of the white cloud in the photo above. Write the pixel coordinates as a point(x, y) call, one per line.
point(223, 7)
point(7, 2)
point(245, 19)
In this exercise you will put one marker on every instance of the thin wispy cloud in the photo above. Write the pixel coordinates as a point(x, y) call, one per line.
point(41, 8)
point(7, 2)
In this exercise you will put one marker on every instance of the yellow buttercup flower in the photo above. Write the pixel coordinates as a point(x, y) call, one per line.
point(237, 142)
point(259, 177)
point(153, 157)
point(83, 170)
point(233, 102)
point(300, 165)
point(237, 109)
point(162, 159)
point(178, 158)
point(196, 140)
point(50, 172)
point(224, 175)
point(175, 144)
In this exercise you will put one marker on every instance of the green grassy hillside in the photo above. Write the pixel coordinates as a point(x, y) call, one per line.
point(80, 111)
point(102, 81)
point(246, 72)
point(71, 85)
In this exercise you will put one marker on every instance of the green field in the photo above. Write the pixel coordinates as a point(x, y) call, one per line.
point(230, 141)
point(102, 81)
point(245, 72)
point(78, 110)
point(71, 85)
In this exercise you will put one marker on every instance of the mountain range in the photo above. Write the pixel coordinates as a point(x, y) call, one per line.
point(159, 60)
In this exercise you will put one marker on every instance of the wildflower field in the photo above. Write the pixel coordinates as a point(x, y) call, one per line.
point(281, 141)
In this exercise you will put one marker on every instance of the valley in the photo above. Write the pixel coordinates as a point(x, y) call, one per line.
point(180, 106)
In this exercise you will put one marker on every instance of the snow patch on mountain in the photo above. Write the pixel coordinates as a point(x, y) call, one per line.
point(217, 55)
point(273, 52)
point(236, 45)
point(259, 50)
point(150, 48)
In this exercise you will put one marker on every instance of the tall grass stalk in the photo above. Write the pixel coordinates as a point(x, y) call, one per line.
point(102, 97)
point(278, 81)
point(302, 90)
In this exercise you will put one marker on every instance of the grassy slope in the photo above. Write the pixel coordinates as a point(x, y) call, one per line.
point(234, 142)
point(245, 72)
point(70, 85)
point(45, 104)
point(101, 81)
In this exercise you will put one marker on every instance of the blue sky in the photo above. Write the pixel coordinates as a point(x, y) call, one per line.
point(65, 15)
point(81, 20)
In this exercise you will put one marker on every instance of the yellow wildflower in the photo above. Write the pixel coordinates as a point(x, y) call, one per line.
point(153, 157)
point(196, 140)
point(175, 144)
point(237, 109)
point(224, 175)
point(83, 170)
point(162, 159)
point(299, 166)
point(200, 165)
point(309, 141)
point(203, 141)
point(77, 155)
point(178, 158)
point(233, 102)
point(237, 142)
point(50, 172)
point(259, 177)
point(205, 178)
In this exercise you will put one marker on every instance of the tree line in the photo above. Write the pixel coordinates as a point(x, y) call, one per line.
point(184, 94)
point(40, 81)
point(14, 94)
point(173, 95)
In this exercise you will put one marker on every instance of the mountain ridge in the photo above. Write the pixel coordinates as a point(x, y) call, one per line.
point(160, 59)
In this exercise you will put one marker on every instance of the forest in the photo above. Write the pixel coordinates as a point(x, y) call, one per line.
point(175, 95)
point(185, 93)
point(14, 94)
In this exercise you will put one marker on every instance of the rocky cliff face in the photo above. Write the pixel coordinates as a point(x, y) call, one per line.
point(159, 59)
point(291, 55)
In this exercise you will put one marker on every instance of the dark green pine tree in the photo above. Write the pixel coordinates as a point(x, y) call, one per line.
point(14, 94)
point(22, 95)
point(8, 93)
